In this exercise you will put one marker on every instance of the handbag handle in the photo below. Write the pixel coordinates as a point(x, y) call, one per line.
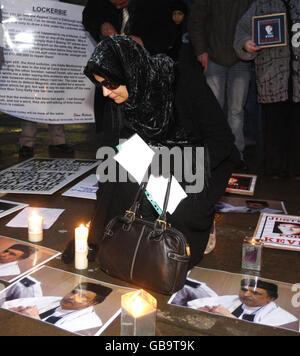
point(160, 224)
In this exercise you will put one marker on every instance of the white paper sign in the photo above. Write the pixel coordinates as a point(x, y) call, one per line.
point(49, 215)
point(135, 156)
point(45, 52)
point(85, 189)
point(157, 188)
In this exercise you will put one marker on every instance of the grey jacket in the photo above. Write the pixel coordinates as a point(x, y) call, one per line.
point(212, 25)
point(276, 65)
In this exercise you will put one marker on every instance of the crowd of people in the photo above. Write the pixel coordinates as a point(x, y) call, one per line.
point(259, 85)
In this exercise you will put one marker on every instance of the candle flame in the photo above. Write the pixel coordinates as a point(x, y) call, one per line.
point(138, 303)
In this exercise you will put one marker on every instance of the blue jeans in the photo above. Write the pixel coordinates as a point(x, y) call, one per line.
point(232, 84)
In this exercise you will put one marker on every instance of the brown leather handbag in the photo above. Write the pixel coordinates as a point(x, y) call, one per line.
point(151, 255)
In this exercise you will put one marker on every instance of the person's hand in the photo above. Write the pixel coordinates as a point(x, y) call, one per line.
point(251, 46)
point(137, 39)
point(29, 311)
point(203, 59)
point(107, 29)
point(219, 309)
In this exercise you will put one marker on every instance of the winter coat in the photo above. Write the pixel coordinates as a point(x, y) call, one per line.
point(212, 26)
point(277, 68)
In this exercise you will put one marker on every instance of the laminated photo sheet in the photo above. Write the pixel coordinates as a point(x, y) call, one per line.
point(43, 175)
point(8, 207)
point(18, 258)
point(206, 289)
point(85, 189)
point(279, 231)
point(51, 300)
point(230, 204)
point(241, 184)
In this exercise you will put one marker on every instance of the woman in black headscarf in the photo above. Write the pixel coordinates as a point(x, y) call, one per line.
point(166, 104)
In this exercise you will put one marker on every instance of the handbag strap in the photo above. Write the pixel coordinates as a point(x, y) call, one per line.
point(161, 222)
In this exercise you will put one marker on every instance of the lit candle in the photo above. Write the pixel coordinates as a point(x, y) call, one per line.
point(35, 227)
point(138, 314)
point(81, 247)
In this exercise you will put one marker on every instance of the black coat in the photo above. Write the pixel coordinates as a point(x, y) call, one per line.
point(151, 20)
point(196, 112)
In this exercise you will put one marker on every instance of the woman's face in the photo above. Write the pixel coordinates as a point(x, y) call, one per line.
point(118, 95)
point(177, 16)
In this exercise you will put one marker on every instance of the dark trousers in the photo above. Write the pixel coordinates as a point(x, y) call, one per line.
point(281, 144)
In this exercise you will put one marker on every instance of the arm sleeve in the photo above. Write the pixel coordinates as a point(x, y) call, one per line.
point(198, 110)
point(243, 33)
point(197, 25)
point(93, 16)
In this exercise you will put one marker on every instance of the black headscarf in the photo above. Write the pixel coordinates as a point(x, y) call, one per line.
point(149, 80)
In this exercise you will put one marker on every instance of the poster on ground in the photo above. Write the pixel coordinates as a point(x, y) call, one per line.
point(243, 184)
point(86, 189)
point(45, 51)
point(229, 204)
point(279, 231)
point(68, 301)
point(18, 258)
point(43, 175)
point(244, 297)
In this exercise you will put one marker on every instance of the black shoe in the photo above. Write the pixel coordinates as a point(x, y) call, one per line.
point(61, 150)
point(26, 152)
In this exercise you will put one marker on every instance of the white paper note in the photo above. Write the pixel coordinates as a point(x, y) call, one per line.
point(135, 156)
point(49, 215)
point(157, 188)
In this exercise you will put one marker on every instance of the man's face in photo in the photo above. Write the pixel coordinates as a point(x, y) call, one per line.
point(10, 255)
point(78, 299)
point(254, 297)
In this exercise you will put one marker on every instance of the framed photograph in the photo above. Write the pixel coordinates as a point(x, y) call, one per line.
point(72, 302)
point(226, 294)
point(229, 204)
point(241, 184)
point(18, 258)
point(279, 231)
point(269, 30)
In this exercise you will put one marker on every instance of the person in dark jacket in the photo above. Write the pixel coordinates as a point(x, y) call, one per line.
point(148, 22)
point(211, 29)
point(179, 13)
point(166, 104)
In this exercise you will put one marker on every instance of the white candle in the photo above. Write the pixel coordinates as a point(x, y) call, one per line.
point(81, 247)
point(35, 227)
